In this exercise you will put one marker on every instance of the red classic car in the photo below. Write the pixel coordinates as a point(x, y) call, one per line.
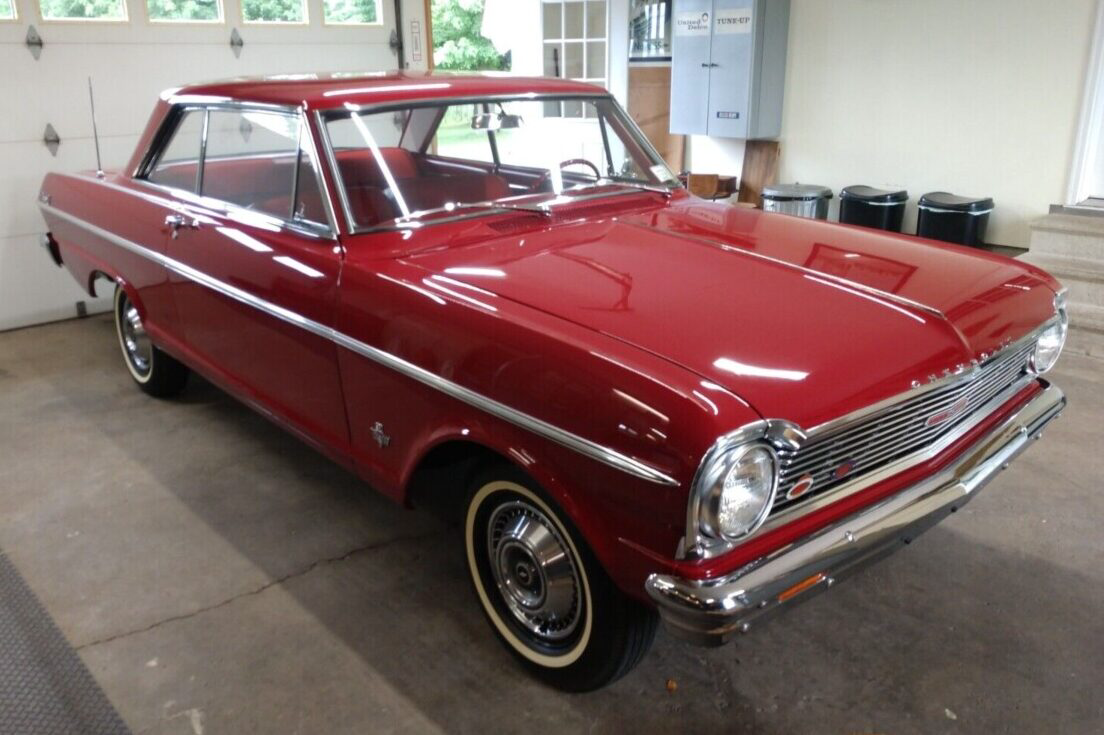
point(492, 289)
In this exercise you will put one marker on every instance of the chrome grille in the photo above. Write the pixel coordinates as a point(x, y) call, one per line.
point(894, 432)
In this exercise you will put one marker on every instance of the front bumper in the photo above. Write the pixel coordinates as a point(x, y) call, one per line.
point(709, 611)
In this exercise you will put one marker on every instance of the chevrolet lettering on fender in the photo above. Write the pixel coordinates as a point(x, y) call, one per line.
point(492, 294)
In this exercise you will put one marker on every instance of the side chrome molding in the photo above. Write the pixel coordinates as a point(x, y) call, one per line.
point(513, 416)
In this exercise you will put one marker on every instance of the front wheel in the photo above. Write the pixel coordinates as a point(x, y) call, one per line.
point(155, 372)
point(544, 593)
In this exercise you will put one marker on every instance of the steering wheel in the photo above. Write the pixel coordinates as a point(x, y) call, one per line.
point(540, 182)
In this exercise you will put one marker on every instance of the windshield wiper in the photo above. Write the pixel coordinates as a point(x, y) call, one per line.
point(482, 209)
point(663, 191)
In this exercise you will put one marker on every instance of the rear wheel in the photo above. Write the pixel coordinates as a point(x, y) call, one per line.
point(155, 372)
point(544, 593)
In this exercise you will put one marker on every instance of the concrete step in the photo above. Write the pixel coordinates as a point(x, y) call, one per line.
point(1086, 335)
point(1083, 277)
point(1066, 234)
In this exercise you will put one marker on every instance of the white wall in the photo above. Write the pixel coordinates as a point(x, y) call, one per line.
point(978, 98)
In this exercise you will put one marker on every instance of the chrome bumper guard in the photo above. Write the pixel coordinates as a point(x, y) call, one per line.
point(709, 611)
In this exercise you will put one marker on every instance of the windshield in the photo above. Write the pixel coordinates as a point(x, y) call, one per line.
point(413, 162)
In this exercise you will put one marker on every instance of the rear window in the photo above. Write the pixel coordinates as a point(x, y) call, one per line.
point(178, 164)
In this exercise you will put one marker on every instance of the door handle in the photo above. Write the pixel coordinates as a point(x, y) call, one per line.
point(175, 221)
point(709, 65)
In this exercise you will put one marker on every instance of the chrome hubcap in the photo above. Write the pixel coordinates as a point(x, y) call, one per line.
point(534, 571)
point(139, 350)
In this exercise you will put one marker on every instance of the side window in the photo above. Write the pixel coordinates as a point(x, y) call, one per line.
point(251, 160)
point(178, 164)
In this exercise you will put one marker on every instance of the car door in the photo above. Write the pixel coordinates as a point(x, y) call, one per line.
point(261, 263)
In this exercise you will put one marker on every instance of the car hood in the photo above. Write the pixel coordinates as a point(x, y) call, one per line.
point(805, 320)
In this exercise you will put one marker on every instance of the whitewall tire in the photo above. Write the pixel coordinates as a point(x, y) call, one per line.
point(155, 372)
point(543, 592)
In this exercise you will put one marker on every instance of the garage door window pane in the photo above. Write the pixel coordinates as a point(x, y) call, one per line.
point(184, 11)
point(274, 11)
point(178, 165)
point(7, 9)
point(352, 12)
point(251, 160)
point(83, 10)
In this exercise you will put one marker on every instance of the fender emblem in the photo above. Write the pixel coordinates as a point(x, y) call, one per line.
point(377, 433)
point(956, 409)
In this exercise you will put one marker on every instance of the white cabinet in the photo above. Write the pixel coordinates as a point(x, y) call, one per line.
point(728, 65)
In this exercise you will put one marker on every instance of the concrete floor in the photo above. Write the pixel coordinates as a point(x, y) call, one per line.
point(217, 576)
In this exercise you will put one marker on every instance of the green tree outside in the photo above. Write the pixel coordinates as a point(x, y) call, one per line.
point(273, 11)
point(104, 9)
point(457, 43)
point(351, 11)
point(183, 9)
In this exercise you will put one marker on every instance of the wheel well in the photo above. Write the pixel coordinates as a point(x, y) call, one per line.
point(95, 276)
point(441, 478)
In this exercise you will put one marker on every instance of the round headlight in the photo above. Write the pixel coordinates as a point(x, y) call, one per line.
point(738, 491)
point(1049, 345)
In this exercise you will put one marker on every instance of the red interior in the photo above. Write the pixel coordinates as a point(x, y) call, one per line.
point(260, 183)
point(425, 182)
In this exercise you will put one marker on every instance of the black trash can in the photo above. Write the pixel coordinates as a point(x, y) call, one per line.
point(883, 209)
point(944, 216)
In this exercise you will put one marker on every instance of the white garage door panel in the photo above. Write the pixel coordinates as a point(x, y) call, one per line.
point(130, 63)
point(25, 166)
point(123, 108)
point(34, 290)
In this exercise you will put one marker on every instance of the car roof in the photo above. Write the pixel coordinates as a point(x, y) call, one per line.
point(336, 89)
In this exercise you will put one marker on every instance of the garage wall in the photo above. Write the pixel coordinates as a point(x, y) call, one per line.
point(978, 98)
point(130, 64)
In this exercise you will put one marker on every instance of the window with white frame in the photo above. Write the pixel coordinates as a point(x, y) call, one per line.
point(575, 46)
point(274, 11)
point(352, 12)
point(93, 10)
point(184, 11)
point(7, 9)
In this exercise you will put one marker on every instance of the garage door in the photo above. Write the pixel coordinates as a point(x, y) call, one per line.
point(134, 49)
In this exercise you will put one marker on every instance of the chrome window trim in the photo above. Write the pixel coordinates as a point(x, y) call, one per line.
point(395, 225)
point(586, 447)
point(323, 230)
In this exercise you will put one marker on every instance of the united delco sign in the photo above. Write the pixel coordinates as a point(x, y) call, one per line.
point(692, 24)
point(734, 20)
point(729, 20)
